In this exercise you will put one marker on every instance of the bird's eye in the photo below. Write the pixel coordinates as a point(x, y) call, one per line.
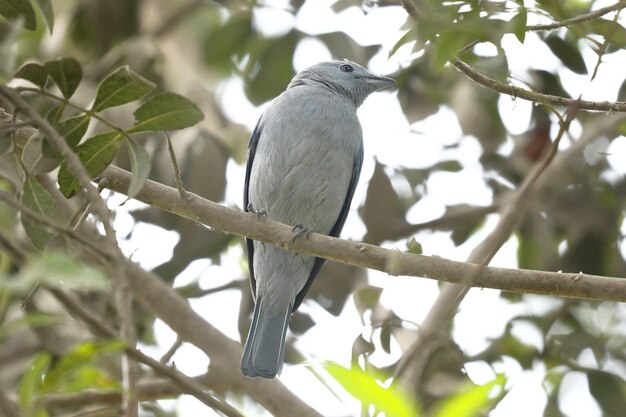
point(346, 68)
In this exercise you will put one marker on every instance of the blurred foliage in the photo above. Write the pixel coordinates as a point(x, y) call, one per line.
point(116, 73)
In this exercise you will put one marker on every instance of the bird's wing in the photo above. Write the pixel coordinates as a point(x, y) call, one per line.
point(254, 140)
point(319, 262)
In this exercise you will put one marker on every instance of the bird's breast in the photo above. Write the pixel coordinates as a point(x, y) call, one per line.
point(304, 161)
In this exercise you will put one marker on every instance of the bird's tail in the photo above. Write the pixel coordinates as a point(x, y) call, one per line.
point(264, 351)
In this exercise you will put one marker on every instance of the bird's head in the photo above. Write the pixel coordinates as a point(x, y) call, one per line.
point(344, 77)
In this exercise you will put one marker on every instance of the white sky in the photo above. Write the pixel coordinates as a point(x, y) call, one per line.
point(389, 138)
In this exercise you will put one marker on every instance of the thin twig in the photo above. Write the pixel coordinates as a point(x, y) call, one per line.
point(185, 383)
point(150, 390)
point(602, 50)
point(192, 290)
point(411, 9)
point(179, 181)
point(123, 302)
point(55, 227)
point(578, 19)
point(165, 359)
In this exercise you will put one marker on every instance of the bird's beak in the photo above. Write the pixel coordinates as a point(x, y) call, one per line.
point(380, 82)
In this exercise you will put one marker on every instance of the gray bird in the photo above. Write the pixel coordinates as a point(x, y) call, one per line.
point(304, 161)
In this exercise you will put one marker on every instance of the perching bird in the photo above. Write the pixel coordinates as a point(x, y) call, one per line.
point(304, 161)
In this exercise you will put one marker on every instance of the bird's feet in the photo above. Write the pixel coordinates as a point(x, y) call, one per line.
point(259, 212)
point(300, 231)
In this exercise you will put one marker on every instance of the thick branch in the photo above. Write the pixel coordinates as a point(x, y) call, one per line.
point(223, 352)
point(224, 219)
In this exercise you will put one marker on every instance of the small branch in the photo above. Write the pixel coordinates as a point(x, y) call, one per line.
point(179, 181)
point(518, 92)
point(578, 19)
point(225, 219)
point(602, 51)
point(411, 9)
point(448, 220)
point(193, 291)
point(165, 359)
point(185, 383)
point(156, 389)
point(123, 302)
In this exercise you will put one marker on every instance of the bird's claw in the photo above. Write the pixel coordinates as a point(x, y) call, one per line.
point(259, 212)
point(300, 231)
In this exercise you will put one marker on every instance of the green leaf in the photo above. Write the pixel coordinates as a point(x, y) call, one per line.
point(518, 24)
point(121, 87)
point(367, 298)
point(34, 157)
point(446, 46)
point(36, 198)
point(364, 387)
point(73, 129)
point(33, 72)
point(95, 153)
point(611, 30)
point(473, 401)
point(406, 38)
point(76, 370)
point(13, 9)
point(47, 12)
point(228, 39)
point(609, 390)
point(56, 269)
point(54, 114)
point(28, 320)
point(413, 246)
point(167, 111)
point(569, 55)
point(66, 73)
point(29, 388)
point(140, 166)
point(621, 127)
point(385, 337)
point(270, 67)
point(450, 165)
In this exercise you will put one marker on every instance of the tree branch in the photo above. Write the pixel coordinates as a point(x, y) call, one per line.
point(407, 374)
point(578, 19)
point(518, 92)
point(155, 389)
point(185, 383)
point(224, 353)
point(175, 311)
point(229, 220)
point(110, 247)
